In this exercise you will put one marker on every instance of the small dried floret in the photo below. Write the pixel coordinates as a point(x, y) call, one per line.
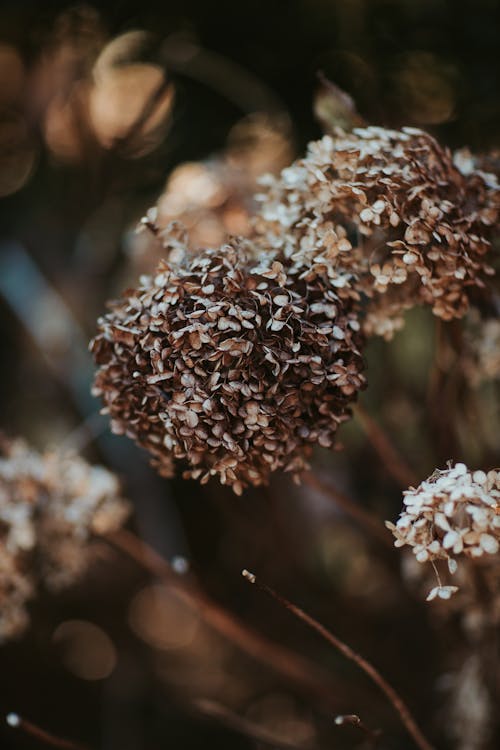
point(453, 514)
point(50, 506)
point(233, 365)
point(390, 216)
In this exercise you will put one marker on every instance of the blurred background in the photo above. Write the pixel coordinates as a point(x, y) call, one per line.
point(105, 111)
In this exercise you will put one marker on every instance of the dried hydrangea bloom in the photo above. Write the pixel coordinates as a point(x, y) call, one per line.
point(453, 514)
point(391, 215)
point(50, 506)
point(214, 198)
point(232, 366)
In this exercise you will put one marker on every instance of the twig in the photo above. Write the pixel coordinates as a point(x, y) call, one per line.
point(230, 80)
point(398, 703)
point(280, 659)
point(369, 522)
point(88, 429)
point(17, 722)
point(395, 464)
point(372, 735)
point(245, 727)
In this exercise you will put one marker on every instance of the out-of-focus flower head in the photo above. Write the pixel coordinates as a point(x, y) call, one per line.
point(389, 212)
point(233, 364)
point(454, 514)
point(91, 93)
point(214, 199)
point(50, 507)
point(481, 359)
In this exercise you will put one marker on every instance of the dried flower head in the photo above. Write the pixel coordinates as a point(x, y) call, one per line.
point(453, 514)
point(232, 365)
point(50, 506)
point(392, 217)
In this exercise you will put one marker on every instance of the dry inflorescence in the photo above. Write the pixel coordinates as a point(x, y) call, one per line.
point(50, 507)
point(391, 216)
point(235, 361)
point(233, 365)
point(453, 514)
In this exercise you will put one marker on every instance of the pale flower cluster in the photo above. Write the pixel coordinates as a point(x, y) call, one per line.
point(454, 514)
point(50, 507)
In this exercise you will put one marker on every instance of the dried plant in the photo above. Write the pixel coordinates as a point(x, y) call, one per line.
point(232, 365)
point(240, 355)
point(50, 506)
point(391, 217)
point(453, 514)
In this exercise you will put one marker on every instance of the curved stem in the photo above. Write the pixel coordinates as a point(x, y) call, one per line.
point(17, 722)
point(395, 464)
point(278, 658)
point(245, 727)
point(398, 703)
point(364, 518)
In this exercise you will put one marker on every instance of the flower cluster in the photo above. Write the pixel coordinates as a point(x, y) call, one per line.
point(50, 506)
point(454, 513)
point(233, 365)
point(391, 216)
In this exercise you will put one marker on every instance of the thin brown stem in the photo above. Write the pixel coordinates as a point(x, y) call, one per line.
point(17, 722)
point(370, 523)
point(397, 702)
point(395, 464)
point(281, 660)
point(372, 735)
point(246, 727)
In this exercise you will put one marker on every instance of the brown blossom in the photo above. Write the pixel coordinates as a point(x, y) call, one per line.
point(234, 366)
point(50, 506)
point(390, 215)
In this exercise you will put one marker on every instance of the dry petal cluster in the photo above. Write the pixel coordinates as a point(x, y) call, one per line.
point(455, 513)
point(50, 506)
point(390, 215)
point(233, 366)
